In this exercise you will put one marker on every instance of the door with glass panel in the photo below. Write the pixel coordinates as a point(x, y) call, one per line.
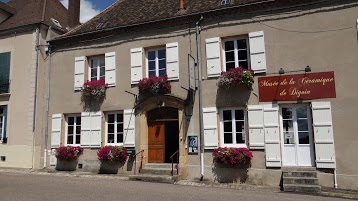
point(296, 136)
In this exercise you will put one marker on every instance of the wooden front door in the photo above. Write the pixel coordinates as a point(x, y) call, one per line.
point(156, 142)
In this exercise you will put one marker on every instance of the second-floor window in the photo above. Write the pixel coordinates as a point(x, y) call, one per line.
point(156, 62)
point(4, 72)
point(73, 130)
point(97, 68)
point(236, 53)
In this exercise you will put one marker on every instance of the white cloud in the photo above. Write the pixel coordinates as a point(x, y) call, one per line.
point(87, 11)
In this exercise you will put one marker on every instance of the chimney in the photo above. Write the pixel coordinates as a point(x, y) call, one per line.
point(181, 5)
point(73, 13)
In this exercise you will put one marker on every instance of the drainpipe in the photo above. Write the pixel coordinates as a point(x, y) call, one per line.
point(335, 178)
point(47, 99)
point(201, 127)
point(35, 95)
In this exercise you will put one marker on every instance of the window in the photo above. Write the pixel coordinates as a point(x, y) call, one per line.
point(4, 72)
point(73, 130)
point(2, 122)
point(156, 62)
point(224, 2)
point(97, 68)
point(233, 127)
point(236, 53)
point(114, 128)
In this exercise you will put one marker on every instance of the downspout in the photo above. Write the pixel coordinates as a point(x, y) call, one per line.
point(201, 127)
point(35, 95)
point(335, 178)
point(47, 99)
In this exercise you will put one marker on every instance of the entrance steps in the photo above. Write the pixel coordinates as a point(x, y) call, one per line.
point(300, 179)
point(156, 172)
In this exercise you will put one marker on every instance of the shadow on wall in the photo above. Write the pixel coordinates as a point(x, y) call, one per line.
point(234, 96)
point(230, 174)
point(91, 105)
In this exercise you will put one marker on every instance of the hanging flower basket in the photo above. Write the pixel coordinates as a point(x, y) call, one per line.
point(95, 89)
point(233, 156)
point(111, 157)
point(154, 86)
point(235, 77)
point(67, 158)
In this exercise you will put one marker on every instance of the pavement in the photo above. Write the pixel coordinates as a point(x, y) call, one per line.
point(24, 173)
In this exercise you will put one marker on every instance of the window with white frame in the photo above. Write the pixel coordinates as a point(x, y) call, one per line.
point(96, 68)
point(236, 53)
point(2, 123)
point(156, 62)
point(73, 130)
point(233, 127)
point(114, 128)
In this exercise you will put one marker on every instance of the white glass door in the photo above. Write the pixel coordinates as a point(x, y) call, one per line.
point(296, 136)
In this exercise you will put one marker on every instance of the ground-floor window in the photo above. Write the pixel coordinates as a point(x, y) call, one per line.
point(2, 122)
point(233, 127)
point(114, 128)
point(73, 130)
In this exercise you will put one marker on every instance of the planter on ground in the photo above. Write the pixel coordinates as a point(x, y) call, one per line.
point(67, 158)
point(112, 158)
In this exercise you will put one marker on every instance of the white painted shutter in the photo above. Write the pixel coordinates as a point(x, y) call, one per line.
point(53, 159)
point(110, 62)
point(96, 127)
point(85, 129)
point(136, 65)
point(272, 135)
point(213, 57)
point(129, 128)
point(56, 130)
point(257, 52)
point(79, 72)
point(256, 127)
point(172, 61)
point(210, 128)
point(323, 135)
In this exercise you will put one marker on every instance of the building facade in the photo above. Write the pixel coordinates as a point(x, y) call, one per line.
point(283, 123)
point(24, 30)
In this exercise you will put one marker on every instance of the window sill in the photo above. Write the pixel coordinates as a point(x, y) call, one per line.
point(5, 94)
point(234, 145)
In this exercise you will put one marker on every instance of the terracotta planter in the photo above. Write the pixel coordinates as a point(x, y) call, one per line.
point(109, 167)
point(66, 165)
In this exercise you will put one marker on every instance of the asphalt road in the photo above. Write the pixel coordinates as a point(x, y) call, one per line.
point(32, 187)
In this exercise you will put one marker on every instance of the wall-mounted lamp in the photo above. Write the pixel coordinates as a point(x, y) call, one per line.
point(308, 69)
point(281, 71)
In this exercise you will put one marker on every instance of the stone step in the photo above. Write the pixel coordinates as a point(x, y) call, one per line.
point(300, 174)
point(301, 188)
point(298, 169)
point(153, 178)
point(157, 171)
point(159, 165)
point(300, 180)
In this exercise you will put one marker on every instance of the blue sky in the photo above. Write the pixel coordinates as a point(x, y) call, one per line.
point(89, 8)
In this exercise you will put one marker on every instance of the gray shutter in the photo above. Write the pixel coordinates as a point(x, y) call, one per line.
point(213, 57)
point(323, 135)
point(210, 128)
point(110, 66)
point(136, 65)
point(257, 52)
point(96, 129)
point(56, 130)
point(85, 129)
point(79, 72)
point(172, 50)
point(272, 135)
point(129, 128)
point(256, 127)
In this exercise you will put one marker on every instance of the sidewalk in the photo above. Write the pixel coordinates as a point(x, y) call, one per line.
point(329, 192)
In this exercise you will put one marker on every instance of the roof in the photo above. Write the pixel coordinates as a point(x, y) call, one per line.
point(7, 8)
point(35, 11)
point(125, 13)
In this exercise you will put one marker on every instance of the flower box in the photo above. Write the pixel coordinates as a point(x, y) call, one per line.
point(67, 158)
point(111, 157)
point(235, 77)
point(154, 85)
point(232, 157)
point(95, 89)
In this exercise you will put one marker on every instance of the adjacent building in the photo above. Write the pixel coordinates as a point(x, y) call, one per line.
point(300, 111)
point(25, 26)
